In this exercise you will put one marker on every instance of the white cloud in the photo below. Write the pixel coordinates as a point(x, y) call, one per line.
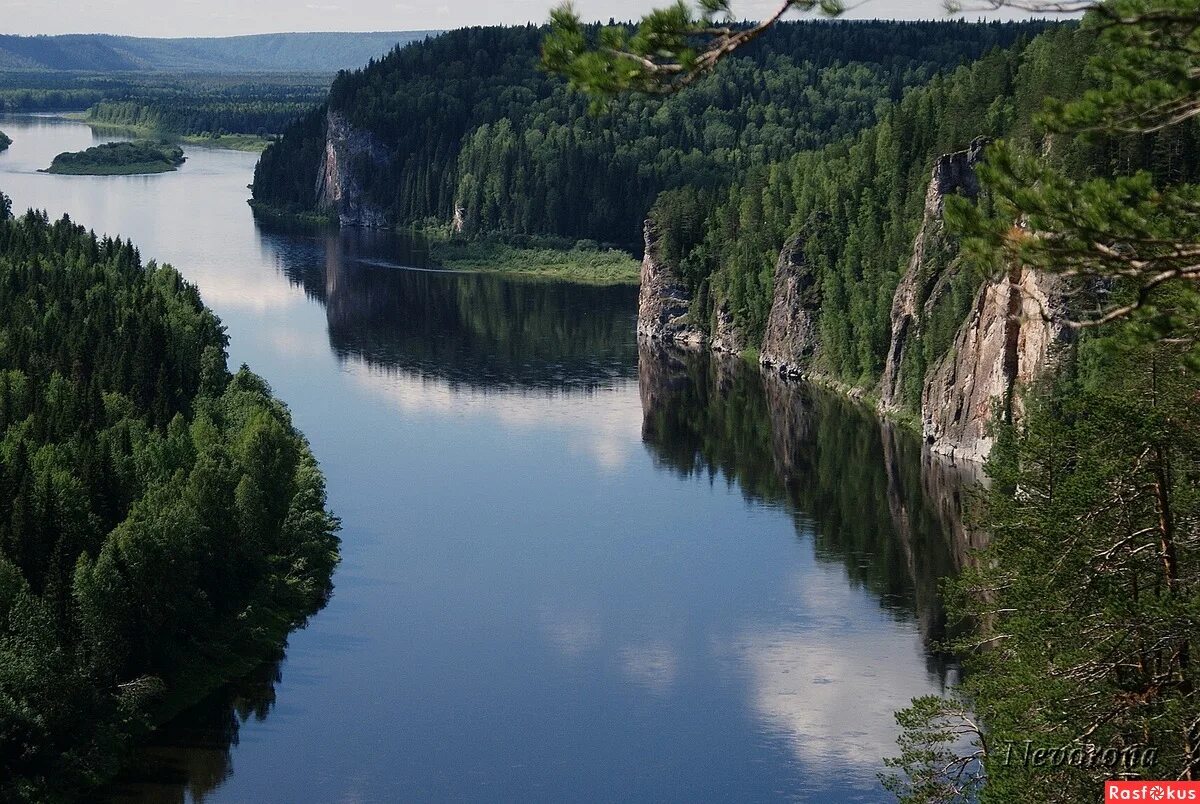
point(828, 685)
point(573, 633)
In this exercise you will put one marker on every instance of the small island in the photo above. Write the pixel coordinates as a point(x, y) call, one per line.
point(5, 141)
point(119, 159)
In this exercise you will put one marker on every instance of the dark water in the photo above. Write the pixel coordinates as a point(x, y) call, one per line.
point(573, 568)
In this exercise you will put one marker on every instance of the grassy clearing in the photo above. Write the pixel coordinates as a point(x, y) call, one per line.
point(592, 266)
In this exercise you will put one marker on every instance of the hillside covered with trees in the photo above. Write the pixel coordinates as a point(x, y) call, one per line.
point(280, 52)
point(161, 520)
point(856, 207)
point(468, 122)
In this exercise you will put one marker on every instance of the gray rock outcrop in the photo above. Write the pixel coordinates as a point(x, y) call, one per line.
point(790, 341)
point(349, 155)
point(664, 301)
point(929, 269)
point(1011, 338)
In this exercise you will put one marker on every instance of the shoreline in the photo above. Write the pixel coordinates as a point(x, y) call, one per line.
point(583, 264)
point(249, 143)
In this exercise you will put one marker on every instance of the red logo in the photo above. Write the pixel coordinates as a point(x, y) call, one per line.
point(1151, 791)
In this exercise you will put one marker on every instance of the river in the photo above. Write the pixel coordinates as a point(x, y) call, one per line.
point(573, 568)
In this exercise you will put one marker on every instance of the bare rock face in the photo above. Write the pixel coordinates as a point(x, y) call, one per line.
point(664, 302)
point(790, 341)
point(725, 336)
point(349, 155)
point(929, 268)
point(1011, 338)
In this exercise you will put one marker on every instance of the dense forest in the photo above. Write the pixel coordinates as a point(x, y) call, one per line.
point(160, 517)
point(169, 103)
point(519, 153)
point(856, 206)
point(119, 158)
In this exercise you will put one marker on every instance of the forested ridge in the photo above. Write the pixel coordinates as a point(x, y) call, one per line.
point(279, 52)
point(856, 205)
point(470, 123)
point(159, 516)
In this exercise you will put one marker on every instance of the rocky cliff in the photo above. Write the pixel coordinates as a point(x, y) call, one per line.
point(928, 275)
point(1013, 335)
point(350, 155)
point(790, 341)
point(664, 302)
point(957, 355)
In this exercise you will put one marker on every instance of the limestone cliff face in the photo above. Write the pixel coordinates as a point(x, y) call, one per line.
point(350, 154)
point(929, 269)
point(664, 302)
point(790, 341)
point(1012, 337)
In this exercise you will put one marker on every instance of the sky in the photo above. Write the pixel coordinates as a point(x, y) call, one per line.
point(233, 17)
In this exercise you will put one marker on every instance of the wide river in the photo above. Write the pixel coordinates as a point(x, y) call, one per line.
point(574, 569)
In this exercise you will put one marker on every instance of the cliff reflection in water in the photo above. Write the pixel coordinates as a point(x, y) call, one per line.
point(387, 307)
point(865, 492)
point(873, 500)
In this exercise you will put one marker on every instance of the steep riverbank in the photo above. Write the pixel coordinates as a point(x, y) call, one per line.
point(948, 379)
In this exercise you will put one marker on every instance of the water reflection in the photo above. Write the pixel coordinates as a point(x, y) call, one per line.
point(818, 673)
point(889, 517)
point(865, 492)
point(385, 306)
point(190, 757)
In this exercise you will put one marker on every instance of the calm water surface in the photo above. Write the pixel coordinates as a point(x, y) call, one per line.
point(573, 569)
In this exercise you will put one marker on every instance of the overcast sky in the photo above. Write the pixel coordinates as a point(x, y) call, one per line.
point(231, 17)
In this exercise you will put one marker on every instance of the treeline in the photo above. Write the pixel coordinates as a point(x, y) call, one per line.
point(47, 100)
point(173, 103)
point(469, 122)
point(262, 118)
point(157, 513)
point(319, 53)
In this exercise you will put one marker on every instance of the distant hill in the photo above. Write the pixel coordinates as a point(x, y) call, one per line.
point(284, 52)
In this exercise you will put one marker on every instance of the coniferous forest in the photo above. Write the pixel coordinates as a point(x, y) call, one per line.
point(160, 516)
point(520, 154)
point(163, 525)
